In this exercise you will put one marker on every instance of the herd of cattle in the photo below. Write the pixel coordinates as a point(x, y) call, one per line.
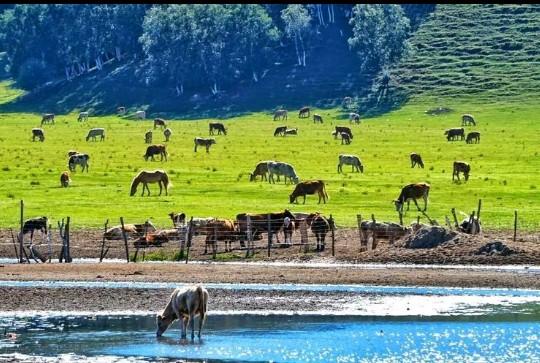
point(229, 230)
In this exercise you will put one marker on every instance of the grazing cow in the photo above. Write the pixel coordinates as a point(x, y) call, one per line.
point(259, 224)
point(320, 226)
point(352, 160)
point(412, 191)
point(340, 129)
point(32, 225)
point(309, 187)
point(167, 133)
point(220, 230)
point(121, 110)
point(280, 130)
point(64, 179)
point(83, 116)
point(93, 133)
point(78, 159)
point(156, 150)
point(317, 118)
point(160, 122)
point(354, 117)
point(47, 118)
point(280, 168)
point(184, 304)
point(216, 126)
point(291, 131)
point(453, 134)
point(199, 141)
point(473, 136)
point(461, 167)
point(148, 137)
point(132, 230)
point(416, 159)
point(36, 132)
point(345, 138)
point(467, 120)
point(261, 169)
point(280, 115)
point(304, 112)
point(141, 115)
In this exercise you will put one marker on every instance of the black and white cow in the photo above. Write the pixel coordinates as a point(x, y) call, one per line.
point(80, 159)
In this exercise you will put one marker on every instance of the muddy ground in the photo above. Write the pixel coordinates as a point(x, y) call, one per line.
point(460, 250)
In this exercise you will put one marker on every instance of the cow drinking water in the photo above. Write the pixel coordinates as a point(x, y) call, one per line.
point(184, 304)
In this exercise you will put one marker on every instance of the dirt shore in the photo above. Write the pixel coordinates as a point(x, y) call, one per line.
point(122, 299)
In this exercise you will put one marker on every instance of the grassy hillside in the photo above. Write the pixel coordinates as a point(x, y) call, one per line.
point(482, 53)
point(504, 166)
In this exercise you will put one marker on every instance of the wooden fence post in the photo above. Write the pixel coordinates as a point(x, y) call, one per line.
point(214, 245)
point(360, 233)
point(269, 234)
point(304, 242)
point(14, 244)
point(62, 235)
point(125, 239)
point(102, 254)
point(333, 235)
point(21, 238)
point(67, 257)
point(189, 236)
point(478, 211)
point(249, 236)
point(49, 242)
point(456, 224)
point(515, 224)
point(371, 244)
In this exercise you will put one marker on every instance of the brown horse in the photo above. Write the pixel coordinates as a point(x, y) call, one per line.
point(145, 177)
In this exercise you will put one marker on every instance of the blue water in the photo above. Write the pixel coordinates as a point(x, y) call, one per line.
point(505, 337)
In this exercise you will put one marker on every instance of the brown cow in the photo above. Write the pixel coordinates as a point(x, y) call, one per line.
point(220, 230)
point(416, 159)
point(156, 150)
point(461, 167)
point(320, 227)
point(412, 191)
point(64, 179)
point(304, 112)
point(261, 169)
point(160, 122)
point(309, 187)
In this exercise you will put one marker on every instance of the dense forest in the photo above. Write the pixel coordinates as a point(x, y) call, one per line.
point(203, 48)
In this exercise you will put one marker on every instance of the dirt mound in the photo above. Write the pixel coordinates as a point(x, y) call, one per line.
point(495, 248)
point(428, 237)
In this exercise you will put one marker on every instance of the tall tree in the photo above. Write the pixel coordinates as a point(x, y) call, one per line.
point(379, 35)
point(297, 24)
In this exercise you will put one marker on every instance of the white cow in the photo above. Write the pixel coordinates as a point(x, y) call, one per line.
point(141, 115)
point(354, 117)
point(93, 133)
point(352, 160)
point(83, 116)
point(279, 168)
point(184, 304)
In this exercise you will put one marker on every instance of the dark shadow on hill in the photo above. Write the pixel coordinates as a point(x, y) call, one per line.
point(332, 73)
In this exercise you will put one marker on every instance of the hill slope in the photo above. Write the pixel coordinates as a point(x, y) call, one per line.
point(482, 52)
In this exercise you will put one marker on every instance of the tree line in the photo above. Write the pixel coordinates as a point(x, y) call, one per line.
point(193, 46)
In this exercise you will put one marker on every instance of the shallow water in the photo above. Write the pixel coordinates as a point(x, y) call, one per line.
point(496, 337)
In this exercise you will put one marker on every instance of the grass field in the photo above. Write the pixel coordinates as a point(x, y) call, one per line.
point(504, 166)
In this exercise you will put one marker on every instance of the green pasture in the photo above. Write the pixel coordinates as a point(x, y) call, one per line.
point(505, 166)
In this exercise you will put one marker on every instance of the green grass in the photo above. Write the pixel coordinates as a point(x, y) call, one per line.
point(504, 166)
